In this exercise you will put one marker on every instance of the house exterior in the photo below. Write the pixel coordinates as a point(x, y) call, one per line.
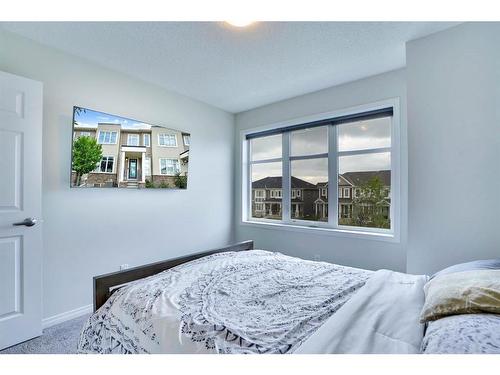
point(309, 201)
point(345, 196)
point(349, 185)
point(267, 197)
point(132, 156)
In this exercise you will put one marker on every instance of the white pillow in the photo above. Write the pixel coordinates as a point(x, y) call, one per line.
point(465, 292)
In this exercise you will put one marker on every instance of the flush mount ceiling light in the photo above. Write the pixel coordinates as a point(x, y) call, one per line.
point(239, 22)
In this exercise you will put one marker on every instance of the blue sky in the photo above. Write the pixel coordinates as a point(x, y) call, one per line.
point(92, 118)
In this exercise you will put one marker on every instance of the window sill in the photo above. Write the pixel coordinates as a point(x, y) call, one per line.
point(356, 234)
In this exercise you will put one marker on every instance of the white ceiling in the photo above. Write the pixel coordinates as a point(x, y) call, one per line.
point(237, 69)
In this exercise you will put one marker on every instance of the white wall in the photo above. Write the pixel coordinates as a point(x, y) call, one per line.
point(454, 147)
point(89, 232)
point(371, 254)
point(453, 80)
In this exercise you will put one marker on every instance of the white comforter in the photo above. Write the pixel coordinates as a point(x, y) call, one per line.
point(244, 302)
point(382, 318)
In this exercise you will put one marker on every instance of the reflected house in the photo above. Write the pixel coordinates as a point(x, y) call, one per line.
point(130, 156)
point(310, 201)
point(349, 186)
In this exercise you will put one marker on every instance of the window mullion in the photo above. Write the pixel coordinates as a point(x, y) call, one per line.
point(286, 196)
point(275, 160)
point(248, 179)
point(364, 151)
point(333, 178)
point(309, 157)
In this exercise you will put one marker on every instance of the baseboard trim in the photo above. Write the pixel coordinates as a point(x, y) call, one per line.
point(65, 316)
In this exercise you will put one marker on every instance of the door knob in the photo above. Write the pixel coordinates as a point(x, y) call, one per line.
point(29, 222)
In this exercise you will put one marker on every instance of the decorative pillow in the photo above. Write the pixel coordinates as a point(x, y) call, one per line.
point(465, 292)
point(485, 264)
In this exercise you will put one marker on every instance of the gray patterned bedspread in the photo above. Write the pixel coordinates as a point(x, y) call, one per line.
point(463, 334)
point(244, 302)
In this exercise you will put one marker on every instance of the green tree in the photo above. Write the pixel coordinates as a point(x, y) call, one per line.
point(86, 154)
point(370, 208)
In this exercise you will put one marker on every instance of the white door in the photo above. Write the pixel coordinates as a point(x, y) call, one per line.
point(20, 198)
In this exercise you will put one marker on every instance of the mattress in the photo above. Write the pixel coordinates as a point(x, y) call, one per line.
point(235, 302)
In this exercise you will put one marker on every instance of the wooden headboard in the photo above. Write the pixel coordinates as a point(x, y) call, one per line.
point(105, 285)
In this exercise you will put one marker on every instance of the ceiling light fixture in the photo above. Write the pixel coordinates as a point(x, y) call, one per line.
point(240, 22)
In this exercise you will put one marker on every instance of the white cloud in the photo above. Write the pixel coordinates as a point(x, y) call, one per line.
point(368, 162)
point(360, 135)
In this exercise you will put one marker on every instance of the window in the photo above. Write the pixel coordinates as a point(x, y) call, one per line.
point(275, 193)
point(169, 167)
point(146, 140)
point(260, 195)
point(107, 137)
point(309, 166)
point(259, 207)
point(84, 134)
point(345, 211)
point(346, 193)
point(265, 173)
point(106, 164)
point(186, 139)
point(133, 140)
point(295, 193)
point(354, 151)
point(147, 166)
point(167, 140)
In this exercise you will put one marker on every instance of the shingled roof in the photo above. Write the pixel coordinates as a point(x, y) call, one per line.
point(275, 183)
point(354, 178)
point(359, 178)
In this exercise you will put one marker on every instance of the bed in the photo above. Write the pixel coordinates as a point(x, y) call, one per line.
point(237, 300)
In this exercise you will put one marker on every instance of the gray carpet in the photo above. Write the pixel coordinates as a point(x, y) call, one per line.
point(59, 339)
